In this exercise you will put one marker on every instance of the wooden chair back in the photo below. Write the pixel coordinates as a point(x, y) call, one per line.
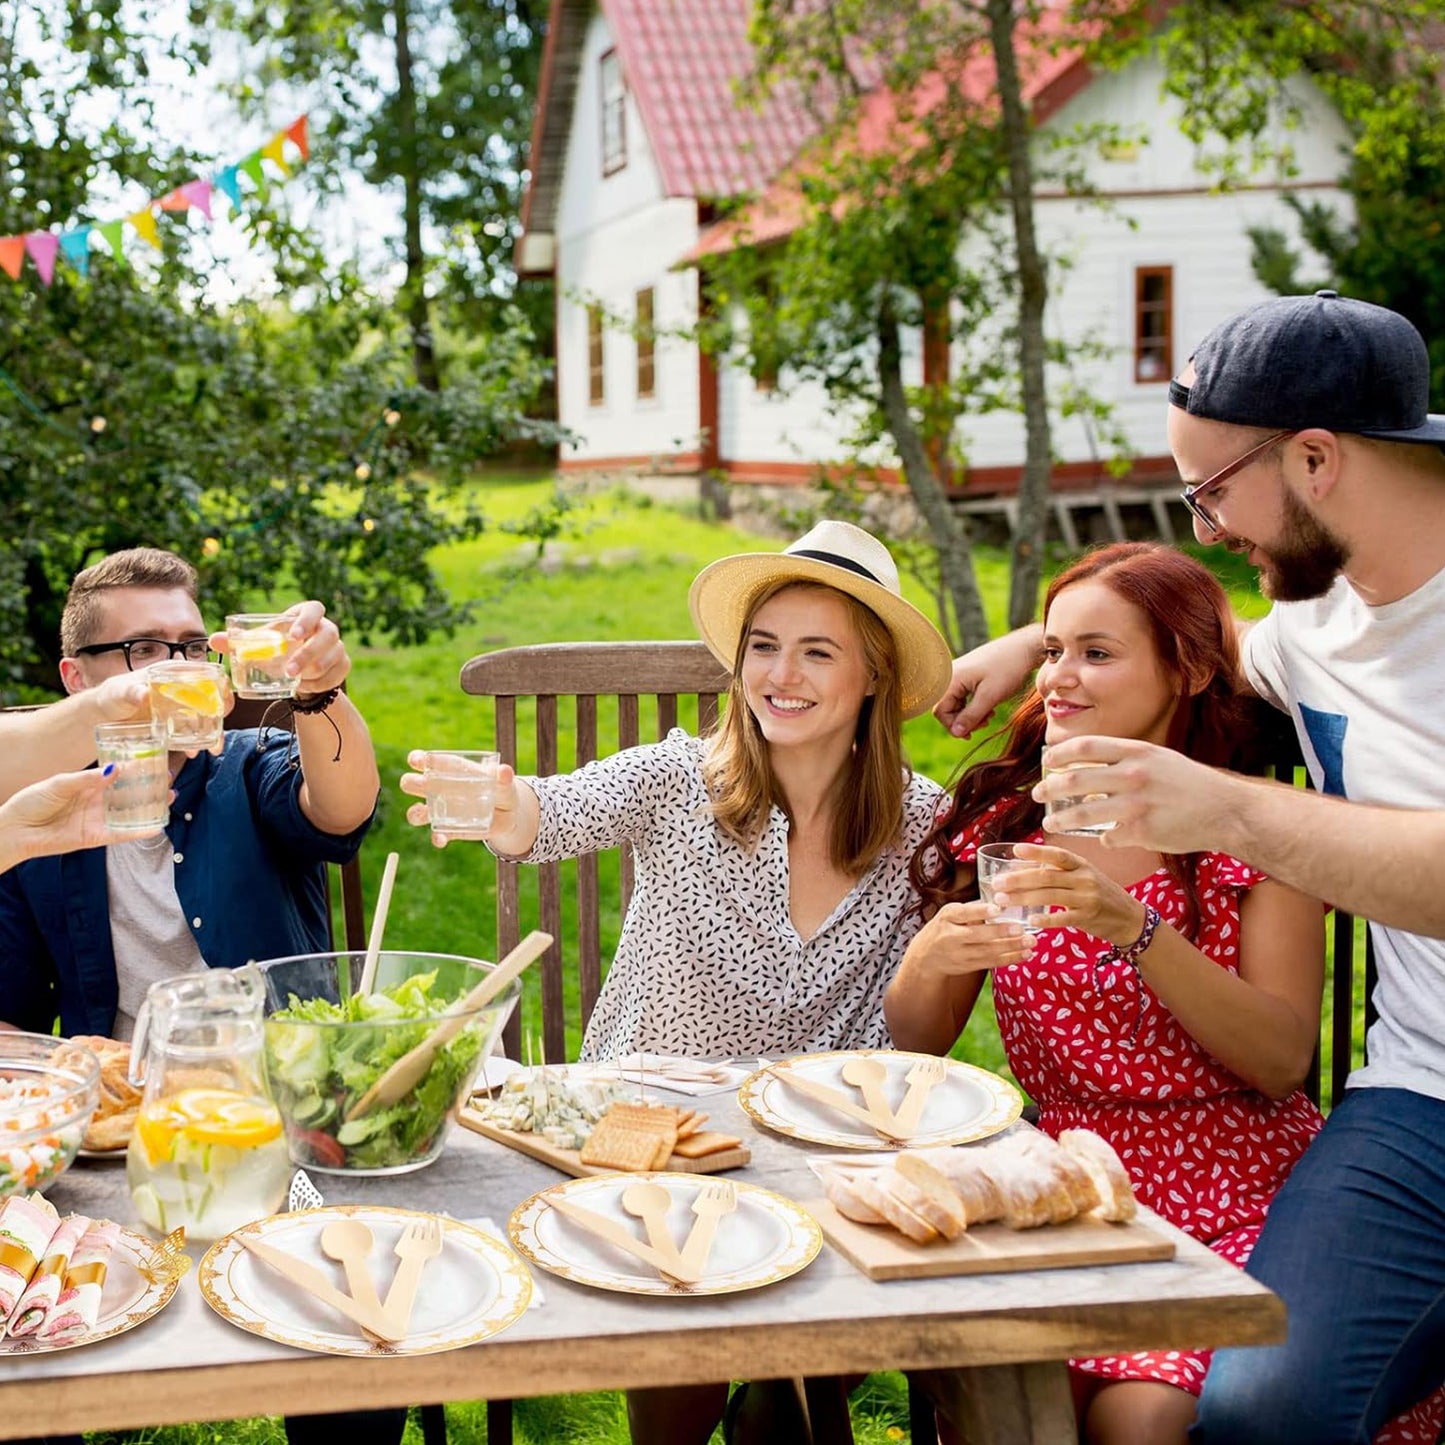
point(606, 683)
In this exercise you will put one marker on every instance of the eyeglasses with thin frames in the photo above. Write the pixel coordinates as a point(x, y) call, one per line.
point(1190, 495)
point(142, 651)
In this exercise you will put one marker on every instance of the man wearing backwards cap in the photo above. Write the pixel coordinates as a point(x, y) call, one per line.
point(1302, 426)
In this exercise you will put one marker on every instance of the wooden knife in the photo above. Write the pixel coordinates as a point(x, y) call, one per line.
point(619, 1235)
point(317, 1285)
point(833, 1098)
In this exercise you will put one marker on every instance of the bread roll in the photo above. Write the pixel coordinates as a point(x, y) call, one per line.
point(1111, 1179)
point(848, 1202)
point(940, 1206)
point(873, 1191)
point(958, 1169)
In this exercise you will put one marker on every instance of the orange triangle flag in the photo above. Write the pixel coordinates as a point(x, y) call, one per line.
point(145, 225)
point(174, 202)
point(275, 150)
point(12, 254)
point(296, 133)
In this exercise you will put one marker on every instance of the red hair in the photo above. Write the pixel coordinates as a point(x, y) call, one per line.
point(1194, 638)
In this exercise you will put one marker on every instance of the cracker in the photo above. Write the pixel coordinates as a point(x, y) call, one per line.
point(658, 1116)
point(612, 1145)
point(698, 1146)
point(690, 1122)
point(665, 1144)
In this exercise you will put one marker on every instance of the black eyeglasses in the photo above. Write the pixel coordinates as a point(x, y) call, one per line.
point(1190, 495)
point(142, 651)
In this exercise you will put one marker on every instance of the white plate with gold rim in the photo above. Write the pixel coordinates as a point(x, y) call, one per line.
point(970, 1103)
point(472, 1290)
point(765, 1239)
point(140, 1278)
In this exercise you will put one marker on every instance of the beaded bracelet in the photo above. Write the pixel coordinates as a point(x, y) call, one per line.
point(1130, 955)
point(317, 703)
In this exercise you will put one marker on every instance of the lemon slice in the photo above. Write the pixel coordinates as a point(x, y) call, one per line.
point(260, 644)
point(201, 697)
point(207, 1116)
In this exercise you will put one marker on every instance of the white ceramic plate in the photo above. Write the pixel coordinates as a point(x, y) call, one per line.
point(134, 1290)
point(765, 1239)
point(969, 1104)
point(472, 1290)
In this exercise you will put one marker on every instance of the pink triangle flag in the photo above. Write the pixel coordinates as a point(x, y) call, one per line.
point(12, 254)
point(145, 225)
point(198, 193)
point(296, 133)
point(42, 246)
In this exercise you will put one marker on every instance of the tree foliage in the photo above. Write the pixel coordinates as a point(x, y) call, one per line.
point(267, 442)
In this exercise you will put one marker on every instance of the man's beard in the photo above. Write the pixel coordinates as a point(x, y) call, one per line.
point(1306, 561)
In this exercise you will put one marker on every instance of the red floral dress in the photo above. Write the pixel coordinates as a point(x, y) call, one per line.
point(1096, 1050)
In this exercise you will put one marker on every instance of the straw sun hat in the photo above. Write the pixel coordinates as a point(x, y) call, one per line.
point(839, 555)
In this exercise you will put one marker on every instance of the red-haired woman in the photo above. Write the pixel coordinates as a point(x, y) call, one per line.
point(1172, 1003)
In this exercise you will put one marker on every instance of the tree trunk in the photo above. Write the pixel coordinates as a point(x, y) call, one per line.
point(950, 532)
point(417, 309)
point(1026, 561)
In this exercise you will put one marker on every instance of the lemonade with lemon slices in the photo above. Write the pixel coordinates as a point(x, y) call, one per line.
point(209, 1158)
point(187, 703)
point(258, 644)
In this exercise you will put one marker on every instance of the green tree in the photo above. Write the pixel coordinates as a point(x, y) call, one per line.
point(265, 442)
point(432, 99)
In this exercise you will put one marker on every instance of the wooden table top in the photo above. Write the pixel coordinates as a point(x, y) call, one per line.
point(186, 1363)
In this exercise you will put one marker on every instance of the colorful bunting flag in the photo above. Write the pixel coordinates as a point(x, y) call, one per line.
point(44, 247)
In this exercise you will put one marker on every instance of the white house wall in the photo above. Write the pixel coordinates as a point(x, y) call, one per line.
point(617, 235)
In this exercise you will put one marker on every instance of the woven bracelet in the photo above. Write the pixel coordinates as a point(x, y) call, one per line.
point(317, 703)
point(1131, 956)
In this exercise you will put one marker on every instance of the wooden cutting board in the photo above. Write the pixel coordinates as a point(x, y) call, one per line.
point(881, 1252)
point(570, 1162)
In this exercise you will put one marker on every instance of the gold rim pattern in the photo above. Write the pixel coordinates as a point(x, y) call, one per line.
point(226, 1265)
point(796, 1236)
point(132, 1294)
point(1000, 1103)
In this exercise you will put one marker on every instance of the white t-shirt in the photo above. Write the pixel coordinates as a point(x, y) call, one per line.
point(1366, 689)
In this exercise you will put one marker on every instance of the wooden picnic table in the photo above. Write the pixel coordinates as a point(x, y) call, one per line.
point(1010, 1332)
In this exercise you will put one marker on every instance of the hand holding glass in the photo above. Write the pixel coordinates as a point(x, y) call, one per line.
point(138, 798)
point(995, 862)
point(461, 792)
point(187, 702)
point(258, 644)
point(1057, 805)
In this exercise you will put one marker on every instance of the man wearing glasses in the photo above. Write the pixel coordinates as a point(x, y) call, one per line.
point(1306, 420)
point(239, 872)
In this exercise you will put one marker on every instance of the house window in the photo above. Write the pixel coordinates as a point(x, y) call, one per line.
point(1153, 323)
point(646, 346)
point(596, 376)
point(614, 119)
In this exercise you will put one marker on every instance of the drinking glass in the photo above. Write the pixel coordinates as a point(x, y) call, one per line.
point(995, 862)
point(461, 791)
point(258, 644)
point(137, 800)
point(186, 703)
point(1057, 805)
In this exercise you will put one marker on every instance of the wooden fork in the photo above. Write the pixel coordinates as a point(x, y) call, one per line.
point(716, 1198)
point(923, 1078)
point(420, 1241)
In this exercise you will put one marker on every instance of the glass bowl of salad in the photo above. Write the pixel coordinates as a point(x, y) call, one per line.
point(48, 1090)
point(327, 1044)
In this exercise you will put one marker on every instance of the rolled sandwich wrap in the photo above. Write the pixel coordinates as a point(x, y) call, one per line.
point(78, 1307)
point(43, 1292)
point(26, 1229)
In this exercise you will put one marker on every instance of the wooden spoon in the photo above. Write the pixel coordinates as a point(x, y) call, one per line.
point(650, 1202)
point(409, 1070)
point(868, 1075)
point(349, 1242)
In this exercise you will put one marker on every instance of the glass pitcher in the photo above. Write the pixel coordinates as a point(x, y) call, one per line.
point(207, 1151)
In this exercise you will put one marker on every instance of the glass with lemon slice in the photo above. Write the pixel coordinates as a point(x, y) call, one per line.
point(207, 1151)
point(187, 703)
point(258, 644)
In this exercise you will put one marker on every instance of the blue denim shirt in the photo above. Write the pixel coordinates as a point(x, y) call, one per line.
point(250, 876)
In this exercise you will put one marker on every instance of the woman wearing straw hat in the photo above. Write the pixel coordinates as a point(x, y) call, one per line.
point(772, 901)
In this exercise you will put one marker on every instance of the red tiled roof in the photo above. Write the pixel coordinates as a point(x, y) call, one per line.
point(682, 60)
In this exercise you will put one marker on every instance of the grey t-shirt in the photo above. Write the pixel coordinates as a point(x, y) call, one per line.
point(148, 930)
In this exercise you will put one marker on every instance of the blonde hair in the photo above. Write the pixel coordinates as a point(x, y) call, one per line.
point(136, 567)
point(868, 806)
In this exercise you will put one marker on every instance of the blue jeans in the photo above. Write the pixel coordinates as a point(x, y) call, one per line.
point(1355, 1245)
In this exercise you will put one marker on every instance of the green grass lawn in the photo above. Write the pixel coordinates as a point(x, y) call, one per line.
point(622, 572)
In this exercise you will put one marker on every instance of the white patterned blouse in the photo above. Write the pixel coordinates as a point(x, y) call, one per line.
point(709, 963)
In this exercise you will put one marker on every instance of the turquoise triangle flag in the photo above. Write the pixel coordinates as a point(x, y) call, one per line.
point(228, 183)
point(76, 246)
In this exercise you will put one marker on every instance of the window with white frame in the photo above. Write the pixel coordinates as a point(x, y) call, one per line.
point(614, 114)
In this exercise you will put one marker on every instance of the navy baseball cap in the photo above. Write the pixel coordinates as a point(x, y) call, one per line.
point(1315, 361)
